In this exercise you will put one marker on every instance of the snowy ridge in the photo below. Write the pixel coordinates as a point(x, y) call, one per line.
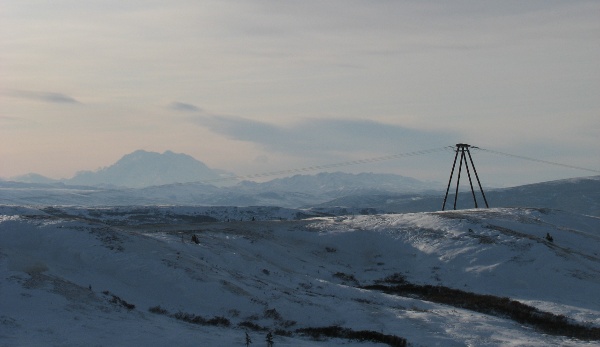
point(579, 195)
point(70, 274)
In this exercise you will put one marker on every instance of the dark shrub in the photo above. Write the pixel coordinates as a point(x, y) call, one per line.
point(219, 321)
point(252, 326)
point(158, 310)
point(272, 314)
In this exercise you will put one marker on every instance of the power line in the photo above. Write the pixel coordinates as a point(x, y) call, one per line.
point(329, 166)
point(384, 158)
point(537, 160)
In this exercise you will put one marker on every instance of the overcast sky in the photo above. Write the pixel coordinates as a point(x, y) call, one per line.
point(252, 86)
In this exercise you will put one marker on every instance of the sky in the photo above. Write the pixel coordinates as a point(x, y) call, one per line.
point(257, 86)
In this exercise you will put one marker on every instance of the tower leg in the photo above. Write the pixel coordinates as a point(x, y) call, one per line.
point(470, 180)
point(478, 182)
point(450, 180)
point(462, 156)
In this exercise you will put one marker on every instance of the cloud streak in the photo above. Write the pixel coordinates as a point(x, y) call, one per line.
point(183, 107)
point(49, 97)
point(325, 136)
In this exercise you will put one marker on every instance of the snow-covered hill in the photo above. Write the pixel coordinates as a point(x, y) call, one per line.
point(579, 195)
point(134, 276)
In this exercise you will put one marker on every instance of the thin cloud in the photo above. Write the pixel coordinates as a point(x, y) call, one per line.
point(261, 159)
point(50, 97)
point(8, 118)
point(183, 107)
point(325, 136)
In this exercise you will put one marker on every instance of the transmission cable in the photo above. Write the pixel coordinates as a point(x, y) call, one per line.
point(537, 160)
point(329, 166)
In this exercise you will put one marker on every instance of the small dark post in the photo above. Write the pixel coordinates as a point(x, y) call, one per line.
point(248, 340)
point(464, 152)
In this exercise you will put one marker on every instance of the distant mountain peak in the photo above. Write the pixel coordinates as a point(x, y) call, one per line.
point(142, 168)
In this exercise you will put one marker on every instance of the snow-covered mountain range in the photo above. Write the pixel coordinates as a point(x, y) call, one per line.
point(148, 178)
point(169, 178)
point(185, 276)
point(142, 169)
point(139, 169)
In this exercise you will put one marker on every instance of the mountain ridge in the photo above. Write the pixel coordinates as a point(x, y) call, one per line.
point(143, 169)
point(138, 169)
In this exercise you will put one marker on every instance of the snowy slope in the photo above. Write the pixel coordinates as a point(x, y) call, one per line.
point(68, 275)
point(580, 195)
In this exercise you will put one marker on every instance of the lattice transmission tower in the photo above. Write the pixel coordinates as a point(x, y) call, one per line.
point(463, 149)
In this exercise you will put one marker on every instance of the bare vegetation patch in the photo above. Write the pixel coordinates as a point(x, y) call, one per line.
point(118, 301)
point(346, 278)
point(489, 304)
point(192, 318)
point(360, 335)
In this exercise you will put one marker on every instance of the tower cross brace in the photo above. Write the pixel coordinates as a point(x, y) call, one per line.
point(464, 152)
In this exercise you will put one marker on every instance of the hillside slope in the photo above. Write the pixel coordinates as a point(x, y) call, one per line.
point(579, 195)
point(78, 276)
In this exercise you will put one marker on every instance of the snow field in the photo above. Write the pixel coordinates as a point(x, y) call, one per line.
point(290, 274)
